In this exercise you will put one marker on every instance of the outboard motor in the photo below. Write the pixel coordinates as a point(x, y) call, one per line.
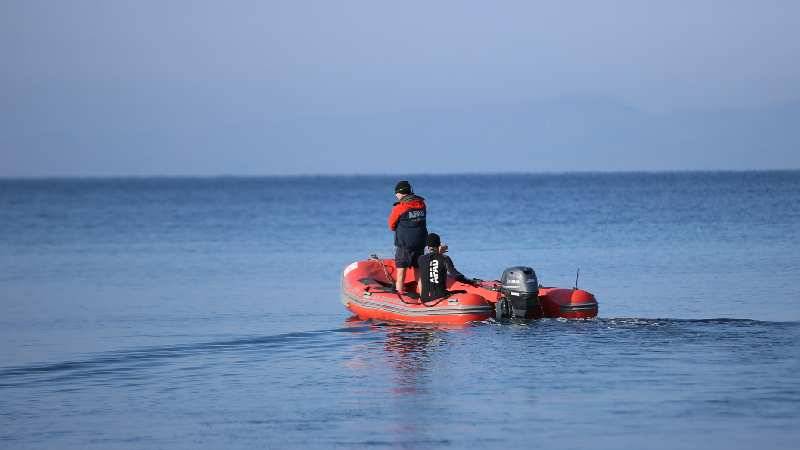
point(520, 293)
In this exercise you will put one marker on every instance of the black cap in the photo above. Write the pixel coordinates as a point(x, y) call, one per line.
point(433, 240)
point(402, 187)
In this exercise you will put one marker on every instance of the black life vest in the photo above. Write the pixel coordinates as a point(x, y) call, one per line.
point(433, 274)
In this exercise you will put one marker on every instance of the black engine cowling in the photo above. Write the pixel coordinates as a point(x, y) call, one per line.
point(521, 287)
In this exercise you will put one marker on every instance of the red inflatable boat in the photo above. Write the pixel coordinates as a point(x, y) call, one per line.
point(367, 291)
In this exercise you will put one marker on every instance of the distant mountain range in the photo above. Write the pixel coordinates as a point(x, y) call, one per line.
point(555, 135)
point(558, 135)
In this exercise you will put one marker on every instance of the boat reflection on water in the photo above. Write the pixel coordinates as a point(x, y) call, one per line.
point(408, 351)
point(402, 364)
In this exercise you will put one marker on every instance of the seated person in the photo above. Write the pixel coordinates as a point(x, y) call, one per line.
point(434, 267)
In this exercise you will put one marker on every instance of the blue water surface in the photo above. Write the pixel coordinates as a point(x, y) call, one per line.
point(205, 313)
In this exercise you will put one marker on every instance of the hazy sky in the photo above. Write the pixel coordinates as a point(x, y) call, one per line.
point(132, 87)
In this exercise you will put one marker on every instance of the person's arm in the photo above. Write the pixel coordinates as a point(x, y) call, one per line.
point(394, 216)
point(451, 270)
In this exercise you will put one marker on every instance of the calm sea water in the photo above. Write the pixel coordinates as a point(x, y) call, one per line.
point(205, 313)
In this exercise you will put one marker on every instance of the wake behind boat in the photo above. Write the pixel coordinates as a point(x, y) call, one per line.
point(368, 291)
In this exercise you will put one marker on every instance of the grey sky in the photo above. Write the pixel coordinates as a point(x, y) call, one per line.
point(86, 86)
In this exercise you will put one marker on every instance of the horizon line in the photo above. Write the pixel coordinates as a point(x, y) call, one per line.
point(386, 174)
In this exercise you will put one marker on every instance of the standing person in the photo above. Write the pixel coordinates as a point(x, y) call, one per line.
point(434, 268)
point(407, 220)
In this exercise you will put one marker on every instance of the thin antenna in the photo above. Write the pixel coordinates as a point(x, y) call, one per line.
point(577, 274)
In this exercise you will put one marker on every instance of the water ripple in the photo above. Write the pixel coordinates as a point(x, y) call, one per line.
point(122, 361)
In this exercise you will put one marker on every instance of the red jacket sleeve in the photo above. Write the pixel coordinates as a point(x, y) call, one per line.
point(394, 216)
